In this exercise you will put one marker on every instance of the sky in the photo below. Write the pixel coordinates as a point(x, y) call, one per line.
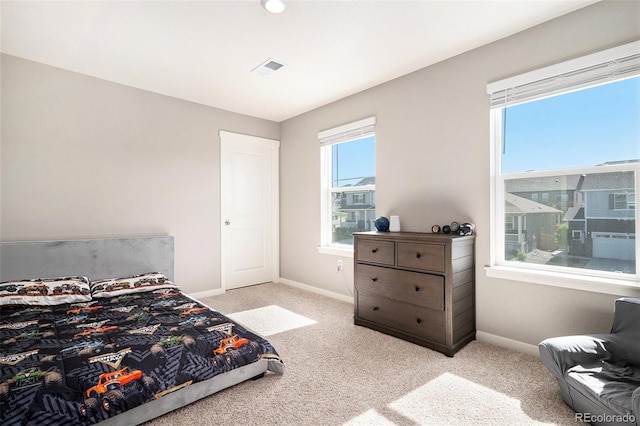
point(578, 129)
point(355, 160)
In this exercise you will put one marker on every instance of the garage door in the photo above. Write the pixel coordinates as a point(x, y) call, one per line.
point(611, 245)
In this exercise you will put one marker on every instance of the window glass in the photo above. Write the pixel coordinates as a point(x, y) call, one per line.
point(352, 162)
point(551, 233)
point(352, 189)
point(580, 151)
point(584, 128)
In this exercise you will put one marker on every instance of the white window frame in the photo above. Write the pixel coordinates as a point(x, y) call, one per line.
point(620, 62)
point(345, 133)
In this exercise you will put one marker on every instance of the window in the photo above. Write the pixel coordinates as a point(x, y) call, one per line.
point(622, 201)
point(348, 184)
point(358, 198)
point(509, 223)
point(569, 132)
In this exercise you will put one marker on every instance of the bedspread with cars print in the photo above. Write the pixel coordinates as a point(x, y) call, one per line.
point(81, 363)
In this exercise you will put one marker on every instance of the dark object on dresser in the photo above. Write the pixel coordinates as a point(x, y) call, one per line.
point(599, 374)
point(416, 286)
point(382, 224)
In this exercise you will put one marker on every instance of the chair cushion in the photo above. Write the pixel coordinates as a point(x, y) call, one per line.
point(626, 327)
point(610, 385)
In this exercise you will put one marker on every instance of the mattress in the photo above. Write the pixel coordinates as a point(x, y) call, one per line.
point(119, 351)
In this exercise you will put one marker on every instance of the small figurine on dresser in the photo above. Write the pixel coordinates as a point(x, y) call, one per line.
point(454, 228)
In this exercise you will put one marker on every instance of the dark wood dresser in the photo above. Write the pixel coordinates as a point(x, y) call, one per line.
point(416, 286)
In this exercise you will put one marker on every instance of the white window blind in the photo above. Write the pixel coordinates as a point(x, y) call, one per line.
point(346, 132)
point(591, 70)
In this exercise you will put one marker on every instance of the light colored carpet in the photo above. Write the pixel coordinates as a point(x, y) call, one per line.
point(341, 374)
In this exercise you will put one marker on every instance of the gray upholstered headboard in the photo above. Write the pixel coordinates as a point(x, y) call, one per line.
point(95, 259)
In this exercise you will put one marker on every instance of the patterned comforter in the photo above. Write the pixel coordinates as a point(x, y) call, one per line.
point(81, 363)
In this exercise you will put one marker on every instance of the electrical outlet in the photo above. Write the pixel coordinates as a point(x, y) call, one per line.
point(340, 266)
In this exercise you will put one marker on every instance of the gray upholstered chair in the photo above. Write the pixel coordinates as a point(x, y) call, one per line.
point(599, 374)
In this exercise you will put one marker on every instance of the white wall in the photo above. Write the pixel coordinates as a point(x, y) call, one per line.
point(432, 137)
point(85, 158)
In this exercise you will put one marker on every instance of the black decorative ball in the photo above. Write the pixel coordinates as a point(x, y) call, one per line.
point(446, 229)
point(382, 224)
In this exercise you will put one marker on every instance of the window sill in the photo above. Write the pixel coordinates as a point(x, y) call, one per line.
point(618, 287)
point(336, 251)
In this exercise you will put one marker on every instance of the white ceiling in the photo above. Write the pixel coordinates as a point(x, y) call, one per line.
point(204, 51)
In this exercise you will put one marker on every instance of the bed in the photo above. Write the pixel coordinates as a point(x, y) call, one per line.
point(96, 331)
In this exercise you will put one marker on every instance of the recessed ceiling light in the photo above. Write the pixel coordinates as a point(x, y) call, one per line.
point(273, 6)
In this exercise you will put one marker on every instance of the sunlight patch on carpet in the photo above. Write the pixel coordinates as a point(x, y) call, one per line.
point(368, 418)
point(270, 320)
point(453, 400)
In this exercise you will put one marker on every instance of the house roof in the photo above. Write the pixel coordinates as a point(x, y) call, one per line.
point(371, 180)
point(519, 205)
point(605, 181)
point(550, 183)
point(574, 213)
point(588, 182)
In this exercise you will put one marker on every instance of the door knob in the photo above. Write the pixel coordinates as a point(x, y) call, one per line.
point(226, 222)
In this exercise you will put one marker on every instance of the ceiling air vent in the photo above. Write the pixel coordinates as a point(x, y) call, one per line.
point(268, 67)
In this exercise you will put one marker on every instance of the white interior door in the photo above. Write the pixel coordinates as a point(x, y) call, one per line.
point(249, 209)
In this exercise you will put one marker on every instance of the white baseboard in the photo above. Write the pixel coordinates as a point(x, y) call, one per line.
point(516, 345)
point(312, 289)
point(207, 293)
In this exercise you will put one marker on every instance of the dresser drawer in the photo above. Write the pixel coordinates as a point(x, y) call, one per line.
point(429, 257)
point(382, 252)
point(411, 287)
point(406, 318)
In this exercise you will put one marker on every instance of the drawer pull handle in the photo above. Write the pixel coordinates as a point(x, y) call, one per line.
point(417, 288)
point(418, 320)
point(418, 255)
point(374, 279)
point(375, 308)
point(375, 250)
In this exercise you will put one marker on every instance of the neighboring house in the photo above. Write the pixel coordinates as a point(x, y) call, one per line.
point(356, 210)
point(578, 243)
point(599, 209)
point(604, 226)
point(529, 225)
point(559, 192)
